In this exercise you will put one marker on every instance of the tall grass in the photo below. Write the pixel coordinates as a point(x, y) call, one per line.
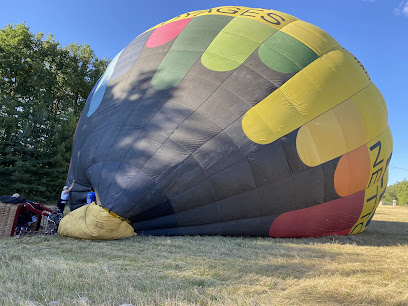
point(366, 269)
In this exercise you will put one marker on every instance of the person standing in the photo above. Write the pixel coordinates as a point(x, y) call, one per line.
point(90, 196)
point(64, 197)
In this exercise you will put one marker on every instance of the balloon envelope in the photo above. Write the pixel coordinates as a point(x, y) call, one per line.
point(234, 121)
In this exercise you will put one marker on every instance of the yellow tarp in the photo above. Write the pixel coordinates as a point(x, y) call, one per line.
point(94, 223)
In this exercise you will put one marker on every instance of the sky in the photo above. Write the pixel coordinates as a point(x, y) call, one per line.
point(375, 31)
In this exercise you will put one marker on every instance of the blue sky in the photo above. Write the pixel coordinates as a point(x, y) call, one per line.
point(375, 31)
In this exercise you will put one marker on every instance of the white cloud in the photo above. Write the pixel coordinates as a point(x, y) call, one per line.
point(405, 9)
point(402, 9)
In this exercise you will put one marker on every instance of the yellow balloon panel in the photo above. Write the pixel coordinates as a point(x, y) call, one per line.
point(373, 110)
point(313, 37)
point(325, 83)
point(334, 133)
point(344, 128)
point(276, 117)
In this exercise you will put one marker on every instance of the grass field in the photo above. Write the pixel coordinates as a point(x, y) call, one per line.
point(366, 269)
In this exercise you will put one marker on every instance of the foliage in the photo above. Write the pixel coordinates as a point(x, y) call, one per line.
point(43, 88)
point(402, 192)
point(390, 194)
point(398, 191)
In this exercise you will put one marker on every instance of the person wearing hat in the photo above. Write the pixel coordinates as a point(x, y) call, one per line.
point(64, 197)
point(13, 199)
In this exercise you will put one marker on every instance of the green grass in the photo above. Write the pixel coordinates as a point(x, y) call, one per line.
point(366, 269)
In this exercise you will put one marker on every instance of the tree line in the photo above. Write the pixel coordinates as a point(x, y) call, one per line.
point(397, 191)
point(43, 89)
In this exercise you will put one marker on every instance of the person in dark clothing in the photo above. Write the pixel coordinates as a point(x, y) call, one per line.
point(14, 199)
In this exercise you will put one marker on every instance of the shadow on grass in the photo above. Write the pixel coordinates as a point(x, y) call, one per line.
point(378, 233)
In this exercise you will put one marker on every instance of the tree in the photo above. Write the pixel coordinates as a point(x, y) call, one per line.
point(43, 89)
point(402, 192)
point(397, 191)
point(390, 194)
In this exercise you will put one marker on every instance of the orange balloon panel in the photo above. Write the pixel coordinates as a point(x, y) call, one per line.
point(352, 172)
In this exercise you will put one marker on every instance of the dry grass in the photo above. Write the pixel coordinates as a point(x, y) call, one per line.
point(367, 269)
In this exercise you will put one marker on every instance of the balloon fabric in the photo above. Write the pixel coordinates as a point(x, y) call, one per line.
point(234, 121)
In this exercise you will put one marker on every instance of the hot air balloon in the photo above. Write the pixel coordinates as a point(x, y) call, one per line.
point(230, 121)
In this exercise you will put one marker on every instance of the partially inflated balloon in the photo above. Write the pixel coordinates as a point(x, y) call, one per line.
point(234, 121)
